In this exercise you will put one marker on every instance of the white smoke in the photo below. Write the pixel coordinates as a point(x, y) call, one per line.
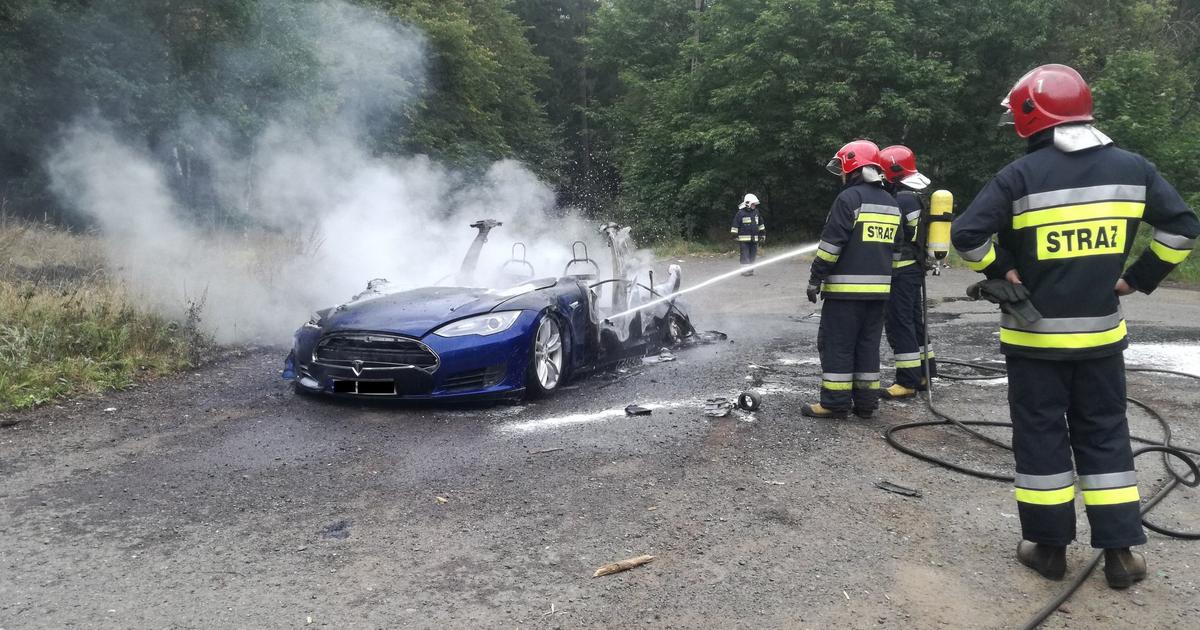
point(328, 215)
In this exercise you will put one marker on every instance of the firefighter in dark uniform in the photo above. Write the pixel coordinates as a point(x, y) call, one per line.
point(904, 321)
point(853, 269)
point(749, 230)
point(1066, 214)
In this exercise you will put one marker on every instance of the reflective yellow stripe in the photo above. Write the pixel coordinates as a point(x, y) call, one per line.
point(1045, 497)
point(733, 230)
point(1173, 256)
point(745, 238)
point(900, 365)
point(1063, 340)
point(1112, 496)
point(866, 384)
point(837, 385)
point(988, 258)
point(824, 255)
point(858, 288)
point(896, 264)
point(1081, 212)
point(875, 217)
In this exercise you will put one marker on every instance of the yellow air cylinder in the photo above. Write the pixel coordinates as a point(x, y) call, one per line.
point(941, 211)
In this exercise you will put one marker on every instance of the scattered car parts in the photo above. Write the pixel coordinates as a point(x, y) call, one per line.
point(749, 401)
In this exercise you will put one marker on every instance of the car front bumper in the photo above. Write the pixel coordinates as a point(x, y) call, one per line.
point(469, 366)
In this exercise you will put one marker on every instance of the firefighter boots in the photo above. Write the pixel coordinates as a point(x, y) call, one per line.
point(1123, 567)
point(815, 410)
point(1048, 560)
point(897, 392)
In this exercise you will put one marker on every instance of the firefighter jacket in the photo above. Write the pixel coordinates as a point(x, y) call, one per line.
point(854, 257)
point(748, 226)
point(908, 249)
point(1066, 221)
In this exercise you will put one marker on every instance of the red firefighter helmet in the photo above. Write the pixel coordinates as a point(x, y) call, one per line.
point(853, 156)
point(900, 166)
point(1047, 96)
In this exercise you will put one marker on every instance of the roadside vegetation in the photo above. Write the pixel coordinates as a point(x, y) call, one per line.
point(67, 329)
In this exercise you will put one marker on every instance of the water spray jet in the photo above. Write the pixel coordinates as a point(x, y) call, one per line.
point(800, 251)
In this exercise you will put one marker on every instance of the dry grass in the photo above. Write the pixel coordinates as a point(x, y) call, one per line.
point(67, 328)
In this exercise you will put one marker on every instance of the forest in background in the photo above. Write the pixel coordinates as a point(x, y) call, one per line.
point(661, 113)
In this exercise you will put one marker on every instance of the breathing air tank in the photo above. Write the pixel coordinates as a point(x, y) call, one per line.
point(941, 211)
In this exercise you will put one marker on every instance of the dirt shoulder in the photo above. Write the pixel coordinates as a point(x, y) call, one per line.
point(218, 498)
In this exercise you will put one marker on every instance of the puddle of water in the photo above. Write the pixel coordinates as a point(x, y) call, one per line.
point(1181, 357)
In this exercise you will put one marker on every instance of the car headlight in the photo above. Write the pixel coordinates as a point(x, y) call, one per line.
point(483, 325)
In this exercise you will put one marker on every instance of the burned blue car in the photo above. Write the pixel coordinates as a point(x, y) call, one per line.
point(528, 338)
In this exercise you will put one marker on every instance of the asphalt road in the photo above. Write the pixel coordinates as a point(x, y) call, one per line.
point(219, 499)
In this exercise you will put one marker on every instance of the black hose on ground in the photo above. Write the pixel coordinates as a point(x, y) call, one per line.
point(1162, 446)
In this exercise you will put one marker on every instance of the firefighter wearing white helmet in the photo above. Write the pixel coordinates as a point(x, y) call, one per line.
point(749, 230)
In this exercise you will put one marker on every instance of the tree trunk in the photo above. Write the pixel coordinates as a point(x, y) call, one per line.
point(585, 135)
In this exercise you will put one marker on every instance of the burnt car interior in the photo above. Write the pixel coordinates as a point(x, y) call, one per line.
point(621, 290)
point(606, 297)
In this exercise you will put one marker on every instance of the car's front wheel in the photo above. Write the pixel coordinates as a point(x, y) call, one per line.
point(675, 329)
point(546, 358)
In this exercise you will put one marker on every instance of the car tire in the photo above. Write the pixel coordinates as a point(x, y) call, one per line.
point(547, 358)
point(675, 329)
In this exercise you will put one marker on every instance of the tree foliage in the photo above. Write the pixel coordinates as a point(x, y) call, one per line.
point(661, 111)
point(755, 95)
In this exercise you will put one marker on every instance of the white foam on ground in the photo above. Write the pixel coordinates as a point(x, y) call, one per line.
point(604, 415)
point(991, 382)
point(793, 361)
point(1181, 357)
point(567, 420)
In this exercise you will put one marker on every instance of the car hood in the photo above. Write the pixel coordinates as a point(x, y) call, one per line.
point(418, 312)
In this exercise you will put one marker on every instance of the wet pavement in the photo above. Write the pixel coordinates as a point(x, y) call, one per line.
point(221, 499)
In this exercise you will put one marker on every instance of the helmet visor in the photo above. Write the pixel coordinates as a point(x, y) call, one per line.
point(1007, 117)
point(834, 166)
point(916, 181)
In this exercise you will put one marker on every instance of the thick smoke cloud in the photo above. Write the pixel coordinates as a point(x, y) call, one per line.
point(326, 213)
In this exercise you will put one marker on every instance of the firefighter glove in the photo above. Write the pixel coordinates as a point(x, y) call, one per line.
point(813, 291)
point(1012, 298)
point(998, 291)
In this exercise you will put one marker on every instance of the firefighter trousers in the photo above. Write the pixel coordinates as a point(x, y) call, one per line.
point(749, 252)
point(1060, 408)
point(848, 342)
point(905, 326)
